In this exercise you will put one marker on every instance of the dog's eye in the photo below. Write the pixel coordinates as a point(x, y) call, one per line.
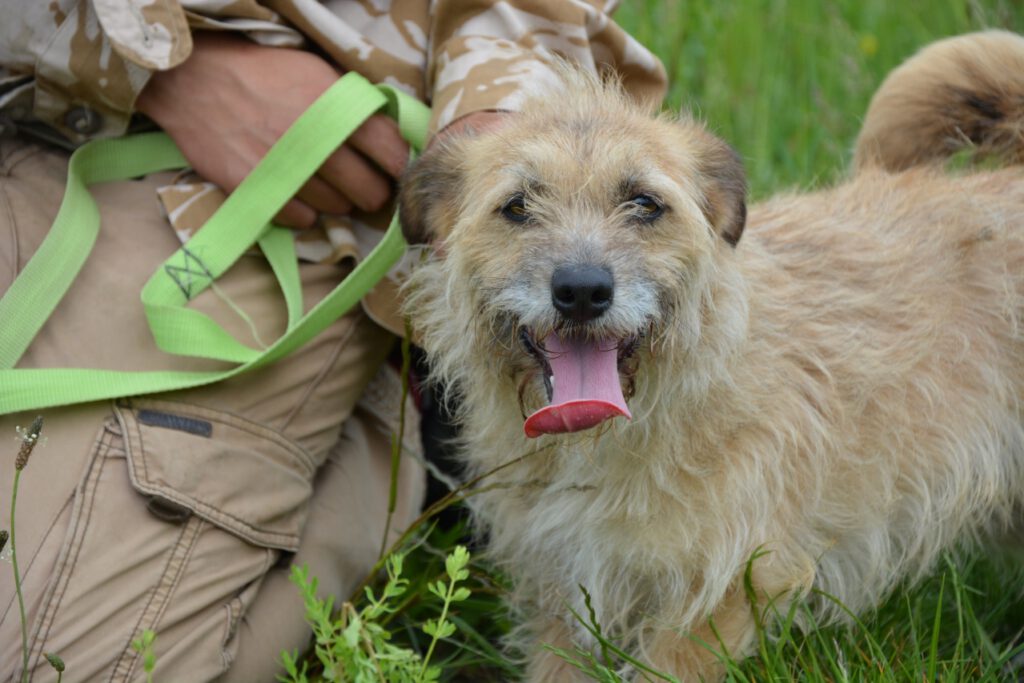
point(645, 207)
point(515, 209)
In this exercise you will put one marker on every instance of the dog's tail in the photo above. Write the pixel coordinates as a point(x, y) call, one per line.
point(959, 95)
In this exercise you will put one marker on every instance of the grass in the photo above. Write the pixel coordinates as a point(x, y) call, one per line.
point(938, 631)
point(787, 83)
point(958, 625)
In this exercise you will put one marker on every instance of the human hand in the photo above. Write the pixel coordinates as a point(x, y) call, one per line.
point(232, 99)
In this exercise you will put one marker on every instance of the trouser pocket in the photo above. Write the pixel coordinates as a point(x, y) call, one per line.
point(180, 513)
point(240, 476)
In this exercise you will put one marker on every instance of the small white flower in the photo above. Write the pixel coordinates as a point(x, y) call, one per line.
point(27, 436)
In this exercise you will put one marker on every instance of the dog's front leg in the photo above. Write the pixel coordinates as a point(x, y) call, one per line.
point(546, 666)
point(698, 655)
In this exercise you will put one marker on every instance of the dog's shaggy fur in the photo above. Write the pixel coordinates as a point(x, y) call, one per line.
point(840, 390)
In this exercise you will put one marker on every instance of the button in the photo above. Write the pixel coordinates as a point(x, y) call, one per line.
point(167, 510)
point(83, 120)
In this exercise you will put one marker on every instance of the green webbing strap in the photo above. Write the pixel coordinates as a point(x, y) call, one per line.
point(243, 219)
point(279, 248)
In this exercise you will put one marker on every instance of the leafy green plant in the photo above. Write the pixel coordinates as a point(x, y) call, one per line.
point(442, 627)
point(354, 645)
point(601, 663)
point(144, 646)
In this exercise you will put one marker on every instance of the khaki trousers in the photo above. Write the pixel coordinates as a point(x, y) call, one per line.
point(182, 513)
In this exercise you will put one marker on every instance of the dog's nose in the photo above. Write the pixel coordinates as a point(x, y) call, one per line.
point(582, 293)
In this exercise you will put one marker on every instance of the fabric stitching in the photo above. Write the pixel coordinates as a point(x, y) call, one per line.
point(236, 609)
point(91, 486)
point(12, 159)
point(159, 597)
point(235, 525)
point(183, 275)
point(46, 535)
point(328, 364)
point(15, 251)
point(66, 564)
point(200, 526)
point(136, 444)
point(225, 660)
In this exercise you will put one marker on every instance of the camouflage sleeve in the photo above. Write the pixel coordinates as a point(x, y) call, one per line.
point(77, 66)
point(488, 54)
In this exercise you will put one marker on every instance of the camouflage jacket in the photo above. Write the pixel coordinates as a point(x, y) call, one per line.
point(75, 67)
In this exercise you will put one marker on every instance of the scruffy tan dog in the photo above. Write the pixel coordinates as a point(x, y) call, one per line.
point(840, 390)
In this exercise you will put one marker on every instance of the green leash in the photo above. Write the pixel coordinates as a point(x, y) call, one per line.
point(243, 220)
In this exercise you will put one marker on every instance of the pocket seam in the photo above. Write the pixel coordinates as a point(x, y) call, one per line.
point(156, 603)
point(81, 515)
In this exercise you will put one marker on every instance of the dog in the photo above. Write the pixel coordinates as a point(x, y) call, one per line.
point(698, 423)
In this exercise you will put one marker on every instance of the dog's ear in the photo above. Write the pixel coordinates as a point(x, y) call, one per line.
point(428, 192)
point(724, 184)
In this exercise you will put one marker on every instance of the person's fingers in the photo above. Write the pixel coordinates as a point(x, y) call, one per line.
point(356, 178)
point(296, 214)
point(321, 196)
point(379, 140)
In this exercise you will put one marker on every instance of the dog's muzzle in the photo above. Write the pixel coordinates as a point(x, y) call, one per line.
point(580, 370)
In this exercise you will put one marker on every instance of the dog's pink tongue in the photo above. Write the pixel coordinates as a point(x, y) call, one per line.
point(587, 391)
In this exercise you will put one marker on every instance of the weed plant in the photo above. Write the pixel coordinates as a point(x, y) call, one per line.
point(28, 438)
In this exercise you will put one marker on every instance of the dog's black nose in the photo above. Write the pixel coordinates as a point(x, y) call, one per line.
point(582, 293)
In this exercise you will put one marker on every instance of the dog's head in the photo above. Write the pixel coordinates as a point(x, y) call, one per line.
point(571, 240)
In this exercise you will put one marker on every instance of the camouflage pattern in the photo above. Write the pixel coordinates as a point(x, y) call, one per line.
point(70, 70)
